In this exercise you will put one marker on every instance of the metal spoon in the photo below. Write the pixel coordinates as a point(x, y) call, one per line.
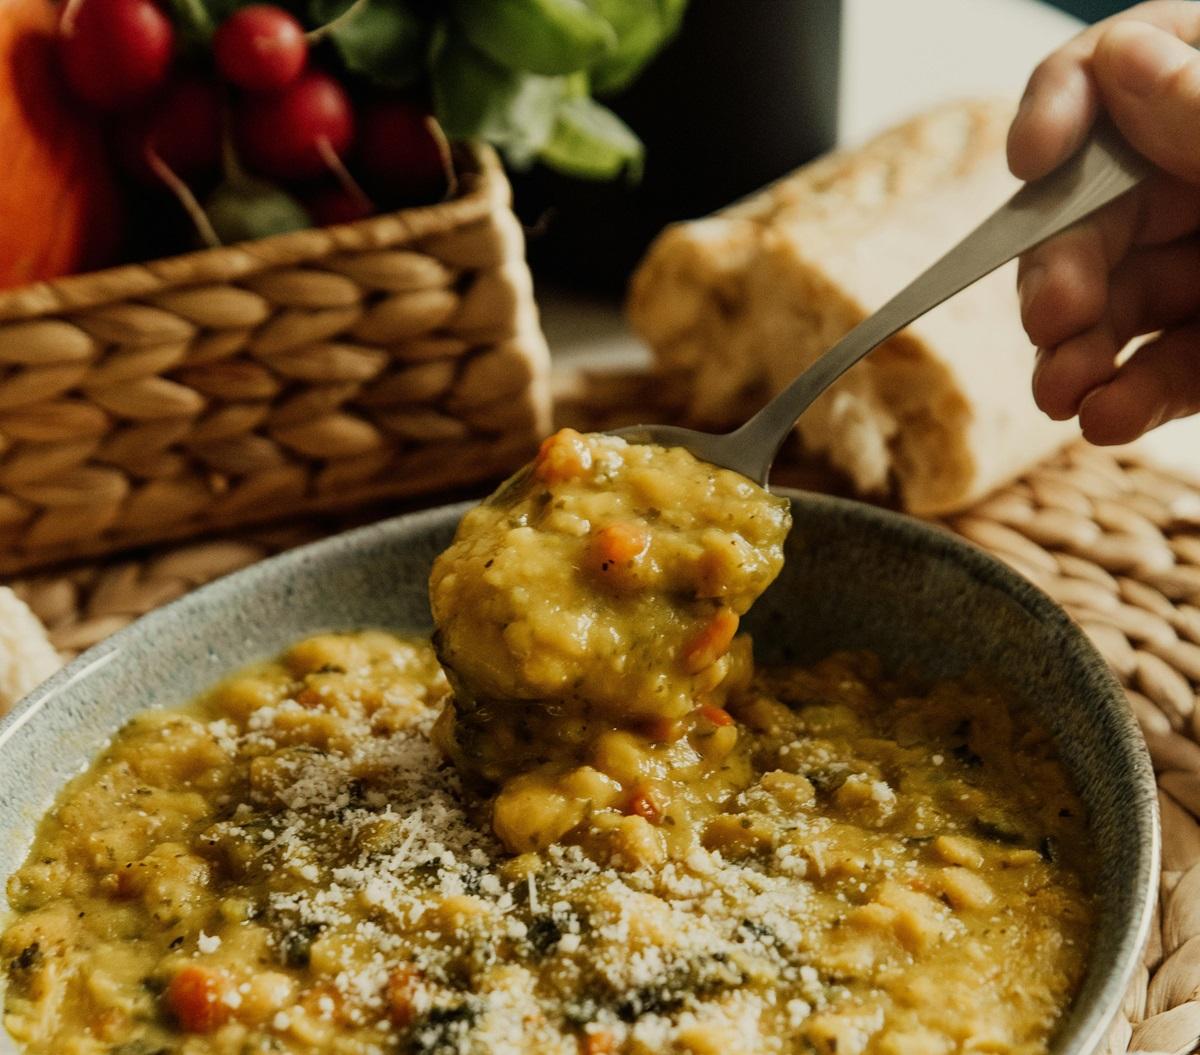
point(1103, 169)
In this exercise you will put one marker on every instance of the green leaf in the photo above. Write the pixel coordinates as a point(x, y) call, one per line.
point(473, 97)
point(547, 37)
point(385, 41)
point(642, 28)
point(245, 209)
point(195, 21)
point(589, 141)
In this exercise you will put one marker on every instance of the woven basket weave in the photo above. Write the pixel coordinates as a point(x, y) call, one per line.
point(307, 371)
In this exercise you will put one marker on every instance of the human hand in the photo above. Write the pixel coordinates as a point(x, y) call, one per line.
point(1133, 268)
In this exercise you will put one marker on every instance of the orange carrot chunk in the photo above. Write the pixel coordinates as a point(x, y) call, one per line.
point(644, 806)
point(617, 544)
point(601, 1042)
point(661, 730)
point(563, 456)
point(400, 994)
point(712, 642)
point(716, 715)
point(197, 997)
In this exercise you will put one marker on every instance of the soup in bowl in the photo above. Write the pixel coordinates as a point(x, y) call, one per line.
point(920, 818)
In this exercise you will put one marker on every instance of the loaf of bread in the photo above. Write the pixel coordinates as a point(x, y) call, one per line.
point(736, 304)
point(26, 655)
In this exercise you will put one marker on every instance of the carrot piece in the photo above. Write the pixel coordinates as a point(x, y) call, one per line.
point(563, 456)
point(716, 715)
point(197, 997)
point(307, 697)
point(619, 543)
point(712, 642)
point(400, 994)
point(661, 730)
point(644, 806)
point(600, 1042)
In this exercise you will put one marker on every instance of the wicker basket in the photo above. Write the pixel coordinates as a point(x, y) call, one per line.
point(307, 371)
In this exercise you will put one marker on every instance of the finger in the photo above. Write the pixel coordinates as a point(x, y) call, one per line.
point(1159, 383)
point(1167, 209)
point(1064, 376)
point(1061, 100)
point(1058, 107)
point(1150, 83)
point(1153, 288)
point(1063, 283)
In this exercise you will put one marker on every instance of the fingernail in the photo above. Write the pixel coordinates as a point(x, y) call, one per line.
point(1028, 285)
point(1143, 56)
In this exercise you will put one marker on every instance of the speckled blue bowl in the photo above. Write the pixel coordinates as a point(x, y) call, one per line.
point(855, 577)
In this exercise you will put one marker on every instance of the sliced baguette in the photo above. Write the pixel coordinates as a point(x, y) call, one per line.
point(736, 304)
point(26, 655)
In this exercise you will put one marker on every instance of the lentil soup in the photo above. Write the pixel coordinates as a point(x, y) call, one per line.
point(289, 866)
point(358, 850)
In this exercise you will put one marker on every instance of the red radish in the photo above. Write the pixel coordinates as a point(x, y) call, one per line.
point(286, 134)
point(337, 205)
point(404, 152)
point(260, 48)
point(183, 128)
point(115, 53)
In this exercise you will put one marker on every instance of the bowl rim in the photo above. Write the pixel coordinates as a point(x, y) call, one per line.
point(1083, 1028)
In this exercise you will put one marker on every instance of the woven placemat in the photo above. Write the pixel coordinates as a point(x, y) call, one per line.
point(1116, 542)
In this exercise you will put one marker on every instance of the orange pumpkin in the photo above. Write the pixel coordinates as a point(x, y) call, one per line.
point(58, 203)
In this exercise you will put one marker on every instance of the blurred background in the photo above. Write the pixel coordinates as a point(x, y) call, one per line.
point(1091, 10)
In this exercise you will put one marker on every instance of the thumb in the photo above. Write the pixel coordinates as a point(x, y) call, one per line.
point(1150, 82)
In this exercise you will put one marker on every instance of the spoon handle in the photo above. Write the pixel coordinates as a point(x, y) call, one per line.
point(1103, 169)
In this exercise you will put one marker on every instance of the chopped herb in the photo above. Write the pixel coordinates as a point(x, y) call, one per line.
point(138, 1047)
point(442, 1030)
point(543, 933)
point(28, 957)
point(966, 756)
point(296, 944)
point(756, 931)
point(649, 1000)
point(997, 833)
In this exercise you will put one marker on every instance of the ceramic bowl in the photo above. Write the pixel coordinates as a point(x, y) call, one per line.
point(855, 577)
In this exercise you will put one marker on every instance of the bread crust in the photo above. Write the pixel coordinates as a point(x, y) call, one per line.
point(736, 304)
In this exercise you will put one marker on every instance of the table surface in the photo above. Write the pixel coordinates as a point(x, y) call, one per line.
point(896, 60)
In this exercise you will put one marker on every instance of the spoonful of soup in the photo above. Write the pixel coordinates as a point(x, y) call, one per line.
point(587, 617)
point(587, 614)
